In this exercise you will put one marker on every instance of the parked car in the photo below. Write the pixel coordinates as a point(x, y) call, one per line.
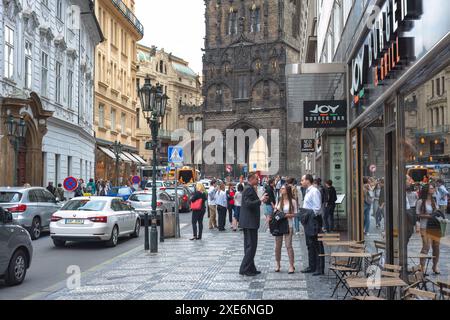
point(123, 192)
point(32, 208)
point(184, 194)
point(143, 200)
point(94, 219)
point(160, 185)
point(16, 250)
point(206, 183)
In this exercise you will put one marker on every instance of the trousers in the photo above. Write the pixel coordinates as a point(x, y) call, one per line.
point(222, 213)
point(197, 219)
point(250, 246)
point(212, 216)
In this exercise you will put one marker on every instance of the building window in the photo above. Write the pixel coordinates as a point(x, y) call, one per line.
point(232, 23)
point(432, 88)
point(57, 166)
point(443, 85)
point(122, 123)
point(138, 119)
point(28, 64)
point(113, 120)
point(161, 66)
point(256, 21)
point(438, 87)
point(242, 89)
point(9, 52)
point(101, 116)
point(69, 166)
point(59, 9)
point(191, 125)
point(198, 124)
point(69, 88)
point(58, 69)
point(44, 73)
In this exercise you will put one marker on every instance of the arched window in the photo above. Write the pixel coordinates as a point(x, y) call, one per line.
point(191, 125)
point(198, 124)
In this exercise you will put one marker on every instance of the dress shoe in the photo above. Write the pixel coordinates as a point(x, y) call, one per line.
point(316, 274)
point(308, 270)
point(257, 272)
point(194, 238)
point(250, 274)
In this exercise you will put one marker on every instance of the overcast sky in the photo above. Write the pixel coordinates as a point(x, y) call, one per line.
point(178, 26)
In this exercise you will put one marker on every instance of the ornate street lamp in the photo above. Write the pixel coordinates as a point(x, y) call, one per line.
point(17, 131)
point(153, 104)
point(117, 149)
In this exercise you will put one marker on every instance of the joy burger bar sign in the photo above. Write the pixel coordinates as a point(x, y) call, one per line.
point(384, 51)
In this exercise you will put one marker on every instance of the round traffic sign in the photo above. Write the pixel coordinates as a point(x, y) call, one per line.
point(136, 180)
point(70, 184)
point(373, 168)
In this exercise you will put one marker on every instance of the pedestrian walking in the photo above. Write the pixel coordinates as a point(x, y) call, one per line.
point(288, 205)
point(59, 193)
point(330, 206)
point(312, 222)
point(230, 202)
point(198, 207)
point(103, 189)
point(222, 204)
point(441, 196)
point(250, 217)
point(237, 206)
point(51, 188)
point(212, 208)
point(368, 201)
point(90, 187)
point(271, 202)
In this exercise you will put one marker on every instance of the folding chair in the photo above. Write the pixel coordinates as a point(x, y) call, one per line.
point(416, 294)
point(444, 290)
point(344, 271)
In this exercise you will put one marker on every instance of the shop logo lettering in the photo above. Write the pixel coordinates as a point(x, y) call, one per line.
point(325, 110)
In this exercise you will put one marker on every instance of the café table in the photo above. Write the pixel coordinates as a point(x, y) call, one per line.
point(361, 286)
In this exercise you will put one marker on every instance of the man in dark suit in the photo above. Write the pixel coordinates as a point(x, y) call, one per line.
point(249, 220)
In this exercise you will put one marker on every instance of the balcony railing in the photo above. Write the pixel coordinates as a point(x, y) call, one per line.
point(165, 134)
point(127, 13)
point(441, 130)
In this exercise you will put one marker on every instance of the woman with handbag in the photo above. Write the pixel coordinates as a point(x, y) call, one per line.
point(288, 206)
point(425, 208)
point(198, 208)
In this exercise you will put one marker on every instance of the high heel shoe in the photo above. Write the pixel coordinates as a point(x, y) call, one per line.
point(278, 269)
point(292, 272)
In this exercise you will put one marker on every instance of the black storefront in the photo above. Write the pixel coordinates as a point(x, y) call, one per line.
point(398, 73)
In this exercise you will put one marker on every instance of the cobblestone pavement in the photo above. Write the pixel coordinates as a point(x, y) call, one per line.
point(196, 270)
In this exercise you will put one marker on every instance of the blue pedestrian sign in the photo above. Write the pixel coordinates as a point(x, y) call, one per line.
point(175, 154)
point(245, 169)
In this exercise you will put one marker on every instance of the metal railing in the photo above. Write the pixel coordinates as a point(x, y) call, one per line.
point(434, 130)
point(127, 13)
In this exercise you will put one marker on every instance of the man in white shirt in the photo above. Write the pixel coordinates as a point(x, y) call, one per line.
point(442, 196)
point(212, 205)
point(312, 202)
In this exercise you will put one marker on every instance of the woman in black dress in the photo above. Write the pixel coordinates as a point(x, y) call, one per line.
point(198, 214)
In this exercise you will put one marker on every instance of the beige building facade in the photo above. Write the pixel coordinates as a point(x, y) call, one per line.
point(115, 88)
point(183, 87)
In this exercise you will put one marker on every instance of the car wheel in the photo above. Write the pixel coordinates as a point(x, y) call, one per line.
point(114, 238)
point(137, 229)
point(59, 243)
point(17, 268)
point(35, 229)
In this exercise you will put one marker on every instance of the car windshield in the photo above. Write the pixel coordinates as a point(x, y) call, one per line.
point(124, 191)
point(141, 197)
point(180, 192)
point(85, 205)
point(10, 197)
point(158, 184)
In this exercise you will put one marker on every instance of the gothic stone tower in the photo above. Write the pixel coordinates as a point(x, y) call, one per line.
point(247, 46)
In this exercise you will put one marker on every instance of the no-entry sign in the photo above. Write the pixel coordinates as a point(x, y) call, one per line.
point(136, 180)
point(70, 184)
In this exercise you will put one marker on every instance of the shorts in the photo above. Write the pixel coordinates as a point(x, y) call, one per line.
point(268, 210)
point(237, 211)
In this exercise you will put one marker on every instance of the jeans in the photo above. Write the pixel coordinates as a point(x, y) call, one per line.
point(197, 218)
point(230, 213)
point(329, 217)
point(297, 224)
point(367, 208)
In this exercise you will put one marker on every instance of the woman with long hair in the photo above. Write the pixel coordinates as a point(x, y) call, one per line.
point(198, 214)
point(288, 205)
point(425, 207)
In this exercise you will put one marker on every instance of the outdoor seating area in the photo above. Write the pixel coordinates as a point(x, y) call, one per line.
point(356, 273)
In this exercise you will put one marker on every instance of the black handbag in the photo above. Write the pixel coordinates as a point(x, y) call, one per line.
point(279, 225)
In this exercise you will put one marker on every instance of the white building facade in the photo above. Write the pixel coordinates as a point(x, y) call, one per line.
point(48, 47)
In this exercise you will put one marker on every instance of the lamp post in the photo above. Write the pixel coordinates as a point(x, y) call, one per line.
point(117, 149)
point(16, 133)
point(153, 104)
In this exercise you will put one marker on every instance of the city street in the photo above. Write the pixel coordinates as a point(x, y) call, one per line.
point(49, 265)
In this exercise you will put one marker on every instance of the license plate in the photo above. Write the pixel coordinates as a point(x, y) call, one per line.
point(74, 221)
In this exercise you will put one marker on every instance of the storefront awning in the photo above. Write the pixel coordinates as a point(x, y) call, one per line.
point(139, 158)
point(133, 157)
point(108, 152)
point(124, 158)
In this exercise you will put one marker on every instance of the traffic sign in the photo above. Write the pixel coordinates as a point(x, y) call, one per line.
point(70, 184)
point(373, 168)
point(245, 169)
point(136, 180)
point(175, 154)
point(229, 168)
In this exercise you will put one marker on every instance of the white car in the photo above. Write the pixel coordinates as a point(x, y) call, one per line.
point(94, 219)
point(206, 183)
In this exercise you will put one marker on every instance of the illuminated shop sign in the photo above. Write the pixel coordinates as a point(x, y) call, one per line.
point(308, 145)
point(325, 114)
point(384, 51)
